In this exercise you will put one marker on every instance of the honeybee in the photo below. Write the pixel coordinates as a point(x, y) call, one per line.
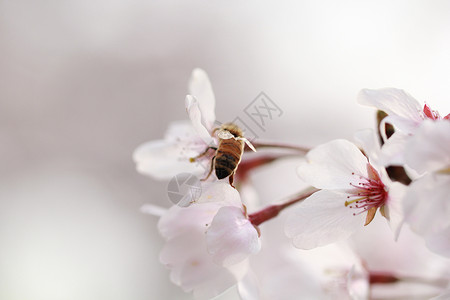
point(229, 151)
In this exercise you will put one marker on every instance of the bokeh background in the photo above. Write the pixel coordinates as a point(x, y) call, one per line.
point(83, 83)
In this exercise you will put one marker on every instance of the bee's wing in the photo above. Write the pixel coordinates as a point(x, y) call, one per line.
point(225, 135)
point(247, 142)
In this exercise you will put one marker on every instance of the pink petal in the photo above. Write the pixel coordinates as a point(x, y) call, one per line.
point(221, 281)
point(178, 251)
point(231, 238)
point(193, 269)
point(322, 219)
point(199, 215)
point(333, 165)
point(200, 88)
point(182, 220)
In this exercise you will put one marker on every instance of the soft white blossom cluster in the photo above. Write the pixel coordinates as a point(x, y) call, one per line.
point(342, 249)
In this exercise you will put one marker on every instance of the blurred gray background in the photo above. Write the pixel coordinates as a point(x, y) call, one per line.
point(83, 83)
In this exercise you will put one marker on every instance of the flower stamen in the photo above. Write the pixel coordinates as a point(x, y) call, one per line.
point(434, 115)
point(367, 195)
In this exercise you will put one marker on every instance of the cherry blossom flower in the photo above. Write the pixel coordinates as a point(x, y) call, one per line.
point(163, 159)
point(231, 237)
point(429, 150)
point(352, 187)
point(404, 113)
point(282, 272)
point(403, 269)
point(426, 205)
point(208, 242)
point(338, 269)
point(214, 244)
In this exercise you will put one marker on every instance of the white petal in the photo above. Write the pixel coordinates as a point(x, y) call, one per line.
point(394, 207)
point(392, 152)
point(429, 149)
point(248, 287)
point(220, 192)
point(413, 174)
point(330, 166)
point(184, 131)
point(322, 219)
point(183, 134)
point(358, 283)
point(401, 124)
point(153, 210)
point(292, 281)
point(163, 160)
point(426, 205)
point(195, 114)
point(439, 242)
point(368, 141)
point(222, 281)
point(200, 88)
point(231, 238)
point(394, 102)
point(445, 295)
point(407, 255)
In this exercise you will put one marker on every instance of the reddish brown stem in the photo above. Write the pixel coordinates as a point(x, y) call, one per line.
point(272, 211)
point(382, 277)
point(388, 277)
point(249, 164)
point(259, 145)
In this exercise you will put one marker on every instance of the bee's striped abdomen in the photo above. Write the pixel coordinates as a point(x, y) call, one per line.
point(228, 156)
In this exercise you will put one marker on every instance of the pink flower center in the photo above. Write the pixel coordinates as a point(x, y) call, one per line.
point(433, 114)
point(370, 192)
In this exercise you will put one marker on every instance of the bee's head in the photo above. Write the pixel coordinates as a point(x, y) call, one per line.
point(233, 129)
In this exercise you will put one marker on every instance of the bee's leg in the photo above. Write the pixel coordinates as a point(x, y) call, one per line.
point(231, 179)
point(193, 159)
point(211, 169)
